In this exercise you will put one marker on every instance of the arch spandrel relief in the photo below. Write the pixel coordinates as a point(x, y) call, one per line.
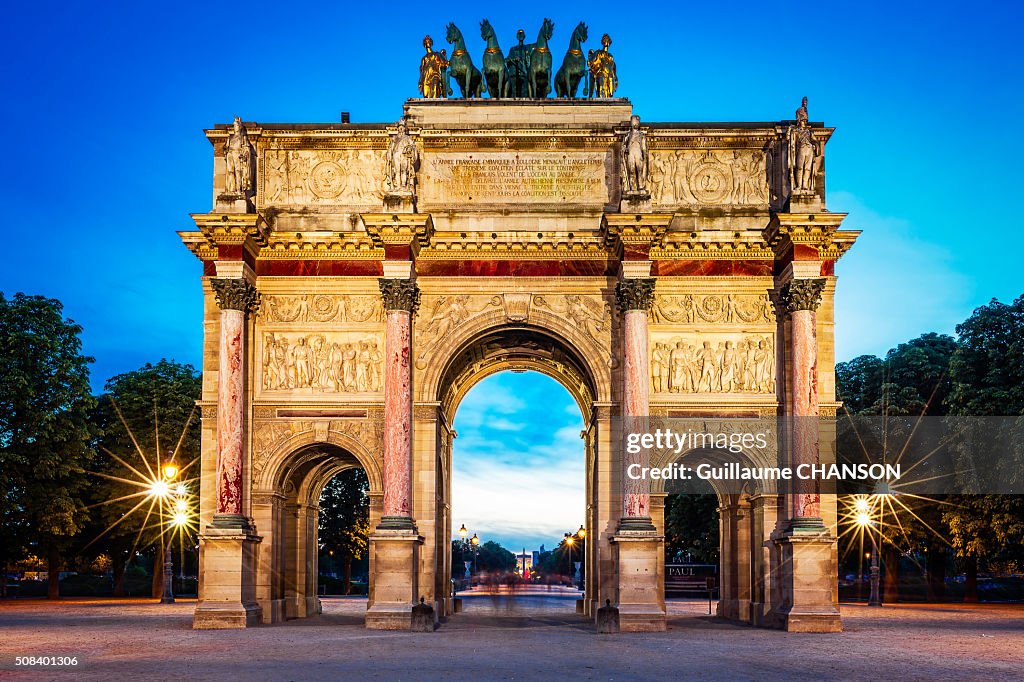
point(275, 442)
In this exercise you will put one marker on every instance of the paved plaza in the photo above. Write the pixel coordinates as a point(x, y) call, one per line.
point(508, 637)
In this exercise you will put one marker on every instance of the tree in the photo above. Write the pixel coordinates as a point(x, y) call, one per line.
point(691, 527)
point(913, 381)
point(345, 519)
point(144, 416)
point(44, 428)
point(987, 372)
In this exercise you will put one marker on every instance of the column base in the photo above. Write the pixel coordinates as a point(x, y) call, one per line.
point(637, 523)
point(641, 602)
point(229, 585)
point(395, 575)
point(806, 575)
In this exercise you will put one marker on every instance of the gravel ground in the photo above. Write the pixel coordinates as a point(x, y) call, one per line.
point(523, 637)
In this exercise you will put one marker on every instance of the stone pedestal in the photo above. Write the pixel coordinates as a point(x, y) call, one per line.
point(395, 557)
point(229, 585)
point(805, 574)
point(400, 201)
point(233, 203)
point(641, 602)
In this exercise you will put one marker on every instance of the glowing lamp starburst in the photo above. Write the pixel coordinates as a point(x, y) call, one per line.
point(159, 489)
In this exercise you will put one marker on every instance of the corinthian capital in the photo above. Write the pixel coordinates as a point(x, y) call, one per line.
point(236, 294)
point(802, 294)
point(635, 293)
point(400, 294)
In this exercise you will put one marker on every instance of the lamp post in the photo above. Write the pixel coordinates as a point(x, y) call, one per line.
point(864, 520)
point(475, 541)
point(170, 472)
point(570, 540)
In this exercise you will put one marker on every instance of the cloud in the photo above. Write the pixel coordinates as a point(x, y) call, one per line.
point(518, 478)
point(893, 284)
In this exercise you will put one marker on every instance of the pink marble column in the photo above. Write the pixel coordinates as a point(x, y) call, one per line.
point(635, 297)
point(236, 297)
point(401, 297)
point(801, 298)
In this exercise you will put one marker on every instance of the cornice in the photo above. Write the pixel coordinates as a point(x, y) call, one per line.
point(232, 228)
point(321, 246)
point(642, 229)
point(200, 247)
point(405, 229)
point(721, 246)
point(515, 246)
point(817, 230)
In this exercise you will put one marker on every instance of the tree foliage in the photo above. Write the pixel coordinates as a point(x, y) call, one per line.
point(345, 518)
point(144, 417)
point(44, 427)
point(691, 528)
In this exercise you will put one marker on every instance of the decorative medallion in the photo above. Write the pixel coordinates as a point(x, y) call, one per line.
point(326, 180)
point(710, 182)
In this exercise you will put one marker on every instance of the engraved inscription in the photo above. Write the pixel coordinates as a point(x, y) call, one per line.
point(514, 178)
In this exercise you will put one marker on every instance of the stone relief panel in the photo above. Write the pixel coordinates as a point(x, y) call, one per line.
point(725, 308)
point(321, 362)
point(684, 177)
point(443, 314)
point(592, 315)
point(321, 308)
point(323, 176)
point(712, 362)
point(514, 178)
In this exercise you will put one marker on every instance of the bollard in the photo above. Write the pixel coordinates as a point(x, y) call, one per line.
point(422, 617)
point(608, 618)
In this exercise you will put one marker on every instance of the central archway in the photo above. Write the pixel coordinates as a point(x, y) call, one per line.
point(518, 482)
point(516, 347)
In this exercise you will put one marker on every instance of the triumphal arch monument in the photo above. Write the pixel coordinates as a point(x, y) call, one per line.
point(360, 278)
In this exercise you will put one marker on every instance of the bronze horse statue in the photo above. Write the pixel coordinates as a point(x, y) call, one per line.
point(574, 66)
point(540, 62)
point(495, 73)
point(461, 68)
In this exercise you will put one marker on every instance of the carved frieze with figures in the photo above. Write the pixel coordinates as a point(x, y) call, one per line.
point(321, 362)
point(690, 177)
point(322, 176)
point(712, 362)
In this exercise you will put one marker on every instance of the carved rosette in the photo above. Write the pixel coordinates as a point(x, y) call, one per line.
point(635, 294)
point(802, 294)
point(236, 294)
point(400, 294)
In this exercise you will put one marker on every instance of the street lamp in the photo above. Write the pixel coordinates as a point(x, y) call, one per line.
point(864, 520)
point(475, 541)
point(177, 518)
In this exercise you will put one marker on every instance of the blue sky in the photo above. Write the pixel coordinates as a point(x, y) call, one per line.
point(104, 105)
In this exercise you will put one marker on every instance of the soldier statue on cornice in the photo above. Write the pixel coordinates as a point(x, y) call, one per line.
point(634, 160)
point(804, 152)
point(240, 162)
point(400, 163)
